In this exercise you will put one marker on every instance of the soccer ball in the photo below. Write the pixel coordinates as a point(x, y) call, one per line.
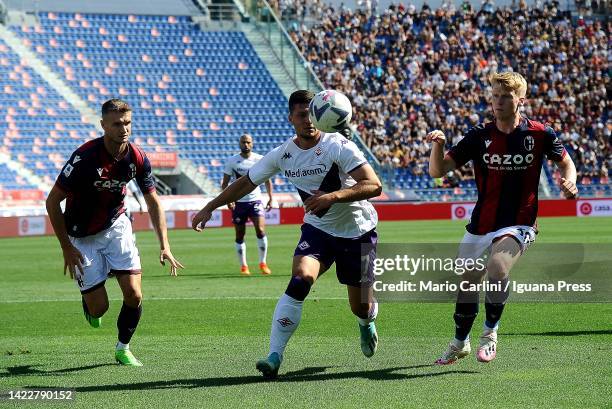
point(330, 111)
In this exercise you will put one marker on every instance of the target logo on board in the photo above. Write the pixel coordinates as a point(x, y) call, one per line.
point(462, 211)
point(586, 208)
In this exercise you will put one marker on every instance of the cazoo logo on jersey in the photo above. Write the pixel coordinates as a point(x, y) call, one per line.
point(110, 184)
point(312, 170)
point(507, 159)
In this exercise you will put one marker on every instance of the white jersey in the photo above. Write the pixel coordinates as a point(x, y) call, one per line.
point(237, 166)
point(323, 167)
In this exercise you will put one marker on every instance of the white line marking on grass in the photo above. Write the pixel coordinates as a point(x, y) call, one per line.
point(167, 299)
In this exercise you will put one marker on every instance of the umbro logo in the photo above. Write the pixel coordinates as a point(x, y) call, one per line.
point(285, 322)
point(303, 245)
point(287, 155)
point(487, 143)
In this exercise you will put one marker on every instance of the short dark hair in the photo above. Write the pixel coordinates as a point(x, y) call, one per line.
point(302, 96)
point(115, 105)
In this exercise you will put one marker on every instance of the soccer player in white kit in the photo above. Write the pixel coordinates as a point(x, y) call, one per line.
point(249, 206)
point(334, 181)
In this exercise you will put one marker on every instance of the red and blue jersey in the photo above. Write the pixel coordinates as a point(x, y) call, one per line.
point(507, 171)
point(95, 184)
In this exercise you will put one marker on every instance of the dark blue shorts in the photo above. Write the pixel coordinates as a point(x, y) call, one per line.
point(247, 210)
point(354, 258)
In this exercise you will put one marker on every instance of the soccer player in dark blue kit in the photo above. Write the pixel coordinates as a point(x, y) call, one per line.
point(508, 154)
point(95, 234)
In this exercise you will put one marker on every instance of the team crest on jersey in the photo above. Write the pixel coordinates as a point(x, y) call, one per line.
point(528, 142)
point(318, 151)
point(303, 245)
point(132, 170)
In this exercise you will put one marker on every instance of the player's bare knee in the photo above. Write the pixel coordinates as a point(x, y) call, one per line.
point(473, 275)
point(498, 268)
point(132, 297)
point(307, 276)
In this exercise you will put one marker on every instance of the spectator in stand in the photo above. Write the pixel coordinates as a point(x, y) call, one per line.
point(407, 71)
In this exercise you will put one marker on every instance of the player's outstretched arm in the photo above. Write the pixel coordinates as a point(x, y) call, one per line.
point(439, 164)
point(235, 191)
point(567, 182)
point(368, 186)
point(158, 220)
point(73, 258)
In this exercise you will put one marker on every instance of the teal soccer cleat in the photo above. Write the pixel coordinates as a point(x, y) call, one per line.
point(369, 339)
point(269, 366)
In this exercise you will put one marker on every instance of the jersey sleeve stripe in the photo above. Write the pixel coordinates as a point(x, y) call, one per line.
point(249, 177)
point(357, 167)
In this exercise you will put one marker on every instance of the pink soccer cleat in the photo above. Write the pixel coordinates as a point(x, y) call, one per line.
point(488, 346)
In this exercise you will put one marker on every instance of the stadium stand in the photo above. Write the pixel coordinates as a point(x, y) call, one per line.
point(194, 92)
point(409, 71)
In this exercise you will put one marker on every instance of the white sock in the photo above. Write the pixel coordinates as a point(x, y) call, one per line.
point(287, 316)
point(371, 314)
point(241, 251)
point(262, 246)
point(460, 344)
point(486, 328)
point(121, 345)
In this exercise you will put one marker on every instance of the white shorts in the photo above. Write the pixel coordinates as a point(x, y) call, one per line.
point(111, 251)
point(473, 246)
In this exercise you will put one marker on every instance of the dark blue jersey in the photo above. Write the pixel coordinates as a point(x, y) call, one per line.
point(95, 184)
point(507, 171)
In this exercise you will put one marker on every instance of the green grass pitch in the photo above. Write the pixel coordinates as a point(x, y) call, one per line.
point(202, 332)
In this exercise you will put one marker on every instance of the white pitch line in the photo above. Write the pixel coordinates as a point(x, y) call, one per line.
point(166, 299)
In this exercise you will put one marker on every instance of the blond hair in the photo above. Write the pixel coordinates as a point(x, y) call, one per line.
point(512, 81)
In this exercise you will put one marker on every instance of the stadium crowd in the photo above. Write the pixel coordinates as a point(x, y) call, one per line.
point(408, 71)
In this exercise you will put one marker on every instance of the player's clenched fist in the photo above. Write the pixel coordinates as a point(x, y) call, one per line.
point(569, 189)
point(436, 136)
point(200, 219)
